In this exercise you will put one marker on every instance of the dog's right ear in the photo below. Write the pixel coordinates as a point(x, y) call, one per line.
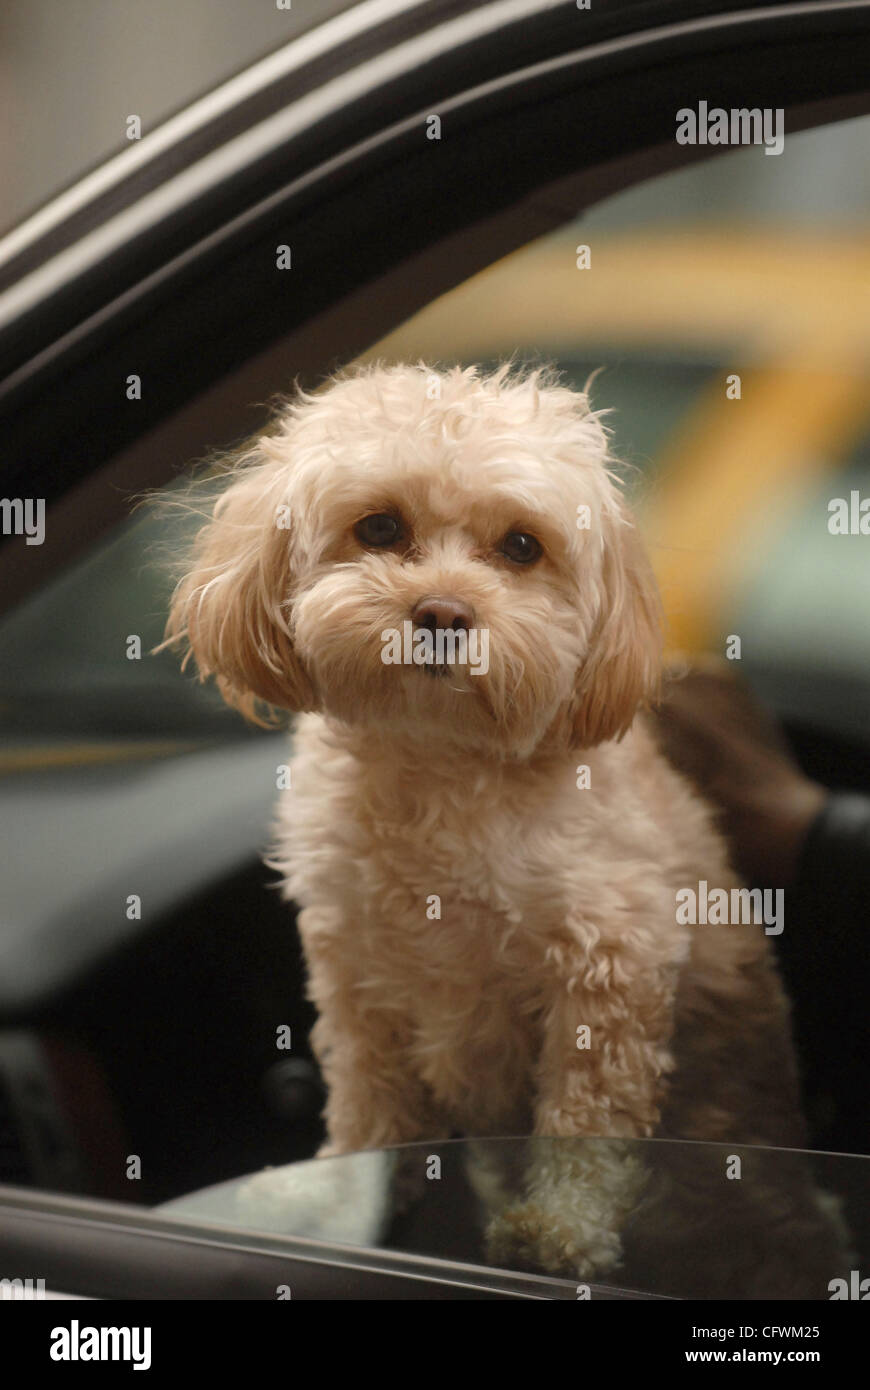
point(231, 609)
point(622, 670)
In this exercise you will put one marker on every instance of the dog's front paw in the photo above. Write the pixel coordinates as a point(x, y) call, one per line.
point(546, 1233)
point(569, 1221)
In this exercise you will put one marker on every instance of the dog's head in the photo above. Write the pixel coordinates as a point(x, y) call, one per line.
point(443, 554)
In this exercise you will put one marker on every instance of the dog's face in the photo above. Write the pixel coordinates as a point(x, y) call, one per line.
point(444, 555)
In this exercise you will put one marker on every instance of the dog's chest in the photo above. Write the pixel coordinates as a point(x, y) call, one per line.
point(455, 867)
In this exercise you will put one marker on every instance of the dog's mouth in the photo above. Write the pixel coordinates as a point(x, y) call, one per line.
point(447, 657)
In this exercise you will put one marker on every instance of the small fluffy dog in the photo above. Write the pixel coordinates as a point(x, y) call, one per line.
point(486, 852)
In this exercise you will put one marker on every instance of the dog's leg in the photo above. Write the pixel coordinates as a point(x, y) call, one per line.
point(372, 1100)
point(362, 1044)
point(578, 1196)
point(605, 1052)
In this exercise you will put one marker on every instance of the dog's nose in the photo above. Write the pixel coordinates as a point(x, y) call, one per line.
point(442, 613)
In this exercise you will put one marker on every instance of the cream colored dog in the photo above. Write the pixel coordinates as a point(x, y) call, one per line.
point(487, 861)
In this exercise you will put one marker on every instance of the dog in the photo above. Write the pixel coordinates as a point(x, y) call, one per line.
point(487, 854)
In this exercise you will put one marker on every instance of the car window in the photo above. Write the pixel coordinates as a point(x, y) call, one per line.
point(723, 319)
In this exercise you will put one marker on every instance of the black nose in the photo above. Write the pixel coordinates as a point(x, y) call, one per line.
point(442, 613)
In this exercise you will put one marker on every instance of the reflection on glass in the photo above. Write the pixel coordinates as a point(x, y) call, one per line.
point(672, 1219)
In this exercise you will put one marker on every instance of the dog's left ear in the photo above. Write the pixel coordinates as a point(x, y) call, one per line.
point(230, 611)
point(623, 666)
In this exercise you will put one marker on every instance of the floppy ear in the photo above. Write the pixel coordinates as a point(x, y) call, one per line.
point(230, 611)
point(623, 667)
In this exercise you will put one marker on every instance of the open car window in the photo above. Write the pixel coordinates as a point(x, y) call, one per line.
point(700, 285)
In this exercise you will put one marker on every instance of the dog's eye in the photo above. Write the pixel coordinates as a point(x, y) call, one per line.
point(380, 529)
point(520, 547)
